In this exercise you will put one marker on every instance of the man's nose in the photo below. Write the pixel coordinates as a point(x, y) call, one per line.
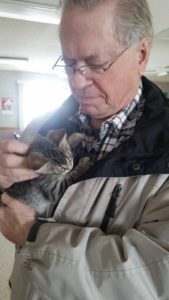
point(79, 81)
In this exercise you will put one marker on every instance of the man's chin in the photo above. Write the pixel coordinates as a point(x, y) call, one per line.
point(88, 110)
point(94, 113)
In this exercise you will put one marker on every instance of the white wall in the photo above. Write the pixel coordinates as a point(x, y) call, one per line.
point(9, 88)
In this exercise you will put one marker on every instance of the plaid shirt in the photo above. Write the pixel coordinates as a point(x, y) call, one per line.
point(115, 130)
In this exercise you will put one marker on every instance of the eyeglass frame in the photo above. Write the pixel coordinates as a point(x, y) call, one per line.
point(81, 68)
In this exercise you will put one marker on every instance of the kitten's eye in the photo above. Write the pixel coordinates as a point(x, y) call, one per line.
point(57, 156)
point(68, 158)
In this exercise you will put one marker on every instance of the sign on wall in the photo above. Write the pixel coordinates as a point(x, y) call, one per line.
point(7, 106)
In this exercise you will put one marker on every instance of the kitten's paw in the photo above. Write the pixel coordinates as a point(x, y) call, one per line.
point(85, 163)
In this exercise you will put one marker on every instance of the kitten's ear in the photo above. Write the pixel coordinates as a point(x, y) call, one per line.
point(56, 135)
point(75, 138)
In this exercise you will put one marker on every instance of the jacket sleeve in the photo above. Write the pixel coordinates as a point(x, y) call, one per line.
point(84, 263)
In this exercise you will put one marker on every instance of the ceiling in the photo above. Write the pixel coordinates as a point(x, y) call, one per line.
point(29, 30)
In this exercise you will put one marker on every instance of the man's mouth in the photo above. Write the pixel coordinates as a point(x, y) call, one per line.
point(86, 99)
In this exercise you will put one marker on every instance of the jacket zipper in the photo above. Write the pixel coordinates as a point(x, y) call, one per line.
point(111, 207)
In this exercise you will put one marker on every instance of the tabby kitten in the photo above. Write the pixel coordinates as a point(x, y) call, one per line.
point(52, 157)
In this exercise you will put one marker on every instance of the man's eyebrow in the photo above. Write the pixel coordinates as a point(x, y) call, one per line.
point(84, 58)
point(90, 57)
point(68, 58)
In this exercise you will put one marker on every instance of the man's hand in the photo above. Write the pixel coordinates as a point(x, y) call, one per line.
point(16, 219)
point(13, 165)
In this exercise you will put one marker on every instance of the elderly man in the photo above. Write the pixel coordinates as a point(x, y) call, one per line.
point(109, 238)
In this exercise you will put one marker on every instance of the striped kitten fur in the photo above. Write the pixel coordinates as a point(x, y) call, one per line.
point(52, 157)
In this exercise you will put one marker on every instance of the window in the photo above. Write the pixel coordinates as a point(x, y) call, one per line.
point(37, 97)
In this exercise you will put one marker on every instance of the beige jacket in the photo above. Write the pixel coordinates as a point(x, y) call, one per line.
point(73, 259)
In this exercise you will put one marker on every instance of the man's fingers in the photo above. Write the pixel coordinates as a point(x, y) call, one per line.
point(10, 202)
point(9, 176)
point(18, 173)
point(21, 208)
point(14, 146)
point(5, 199)
point(12, 154)
point(12, 160)
point(16, 219)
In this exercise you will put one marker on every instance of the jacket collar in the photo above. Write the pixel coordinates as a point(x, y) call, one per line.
point(147, 151)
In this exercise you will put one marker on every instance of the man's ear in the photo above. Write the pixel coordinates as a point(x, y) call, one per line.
point(144, 49)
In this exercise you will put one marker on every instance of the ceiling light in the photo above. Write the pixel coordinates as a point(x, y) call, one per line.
point(162, 73)
point(13, 60)
point(30, 11)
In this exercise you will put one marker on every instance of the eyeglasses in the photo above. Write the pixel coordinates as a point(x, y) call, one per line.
point(88, 71)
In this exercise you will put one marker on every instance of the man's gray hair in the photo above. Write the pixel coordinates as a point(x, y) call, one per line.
point(131, 18)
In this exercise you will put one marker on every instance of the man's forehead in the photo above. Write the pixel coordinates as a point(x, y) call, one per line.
point(91, 53)
point(85, 39)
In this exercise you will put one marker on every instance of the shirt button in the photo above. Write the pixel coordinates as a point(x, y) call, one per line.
point(167, 164)
point(136, 167)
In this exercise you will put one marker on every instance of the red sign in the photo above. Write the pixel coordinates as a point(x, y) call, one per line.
point(7, 106)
